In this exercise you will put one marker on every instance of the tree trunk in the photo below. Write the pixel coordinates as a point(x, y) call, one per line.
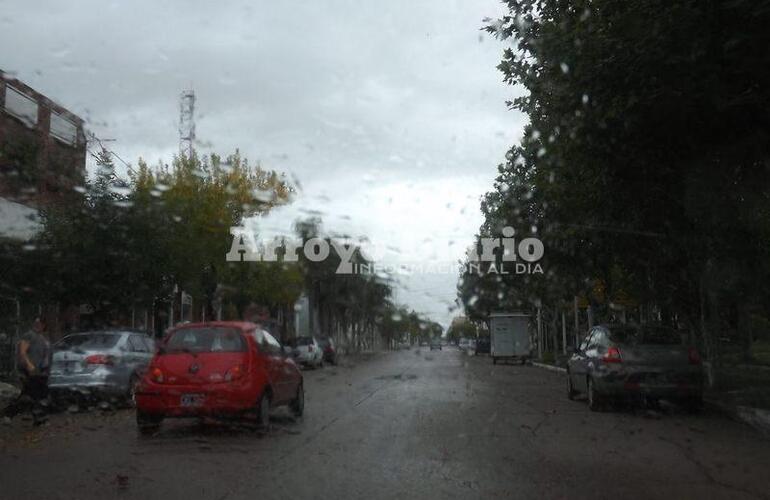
point(563, 332)
point(744, 331)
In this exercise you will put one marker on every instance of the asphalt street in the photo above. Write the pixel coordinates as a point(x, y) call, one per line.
point(409, 424)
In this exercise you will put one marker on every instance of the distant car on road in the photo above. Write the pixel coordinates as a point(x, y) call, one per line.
point(423, 343)
point(329, 350)
point(483, 345)
point(308, 352)
point(651, 362)
point(464, 344)
point(435, 343)
point(218, 369)
point(105, 364)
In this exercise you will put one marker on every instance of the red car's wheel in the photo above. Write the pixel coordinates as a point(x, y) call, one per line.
point(263, 410)
point(147, 424)
point(298, 404)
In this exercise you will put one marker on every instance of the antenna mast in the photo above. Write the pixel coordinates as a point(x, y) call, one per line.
point(186, 122)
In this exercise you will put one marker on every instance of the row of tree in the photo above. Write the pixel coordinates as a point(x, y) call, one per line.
point(645, 167)
point(119, 245)
point(358, 307)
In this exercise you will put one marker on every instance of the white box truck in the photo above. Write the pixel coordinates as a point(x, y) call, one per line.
point(510, 337)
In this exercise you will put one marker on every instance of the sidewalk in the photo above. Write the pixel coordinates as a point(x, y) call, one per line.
point(740, 405)
point(8, 393)
point(757, 418)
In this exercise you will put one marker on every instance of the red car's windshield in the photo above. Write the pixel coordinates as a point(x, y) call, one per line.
point(209, 339)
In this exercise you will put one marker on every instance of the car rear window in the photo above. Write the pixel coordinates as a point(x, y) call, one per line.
point(206, 340)
point(304, 341)
point(646, 336)
point(89, 341)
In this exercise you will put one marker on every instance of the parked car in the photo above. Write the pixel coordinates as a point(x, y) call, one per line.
point(329, 350)
point(483, 345)
point(218, 369)
point(307, 352)
point(652, 362)
point(104, 364)
point(464, 344)
point(435, 343)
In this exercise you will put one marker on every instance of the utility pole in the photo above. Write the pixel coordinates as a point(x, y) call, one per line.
point(539, 333)
point(563, 332)
point(577, 324)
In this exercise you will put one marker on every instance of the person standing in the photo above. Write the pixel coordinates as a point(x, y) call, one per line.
point(34, 364)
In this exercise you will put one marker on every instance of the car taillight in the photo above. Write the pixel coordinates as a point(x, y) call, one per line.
point(156, 375)
point(234, 373)
point(612, 355)
point(694, 356)
point(100, 359)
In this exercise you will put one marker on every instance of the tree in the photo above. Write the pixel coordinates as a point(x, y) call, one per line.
point(203, 199)
point(126, 243)
point(641, 112)
point(353, 306)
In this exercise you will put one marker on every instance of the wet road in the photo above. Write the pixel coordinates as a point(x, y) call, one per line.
point(408, 424)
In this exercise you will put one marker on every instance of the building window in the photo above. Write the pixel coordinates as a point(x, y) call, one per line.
point(63, 129)
point(20, 105)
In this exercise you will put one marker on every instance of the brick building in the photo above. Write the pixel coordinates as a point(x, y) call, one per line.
point(42, 146)
point(42, 157)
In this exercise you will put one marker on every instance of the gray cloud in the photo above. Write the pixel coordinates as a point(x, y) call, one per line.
point(344, 95)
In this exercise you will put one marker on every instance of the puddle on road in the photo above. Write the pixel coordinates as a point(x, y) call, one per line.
point(400, 376)
point(209, 434)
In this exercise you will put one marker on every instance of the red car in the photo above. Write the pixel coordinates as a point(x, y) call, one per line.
point(218, 369)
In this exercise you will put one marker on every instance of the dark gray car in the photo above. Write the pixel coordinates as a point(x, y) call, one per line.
point(650, 362)
point(101, 363)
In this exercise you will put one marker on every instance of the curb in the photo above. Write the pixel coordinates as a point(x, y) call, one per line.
point(757, 418)
point(553, 368)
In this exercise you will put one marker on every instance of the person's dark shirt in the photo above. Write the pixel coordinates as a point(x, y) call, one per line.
point(39, 353)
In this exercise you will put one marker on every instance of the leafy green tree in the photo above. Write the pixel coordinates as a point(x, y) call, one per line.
point(644, 167)
point(203, 199)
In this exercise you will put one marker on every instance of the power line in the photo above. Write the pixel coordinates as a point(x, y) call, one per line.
point(93, 137)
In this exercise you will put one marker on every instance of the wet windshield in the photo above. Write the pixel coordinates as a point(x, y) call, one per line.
point(647, 336)
point(406, 249)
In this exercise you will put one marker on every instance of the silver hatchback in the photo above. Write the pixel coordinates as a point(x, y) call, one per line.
point(100, 363)
point(648, 362)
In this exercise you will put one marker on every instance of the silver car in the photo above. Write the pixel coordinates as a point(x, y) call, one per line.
point(100, 363)
point(308, 352)
point(647, 362)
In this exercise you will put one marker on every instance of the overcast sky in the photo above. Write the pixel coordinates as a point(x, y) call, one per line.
point(390, 114)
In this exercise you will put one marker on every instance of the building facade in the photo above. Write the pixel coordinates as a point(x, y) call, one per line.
point(42, 146)
point(42, 158)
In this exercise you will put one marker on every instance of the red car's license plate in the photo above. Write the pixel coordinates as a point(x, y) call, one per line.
point(192, 399)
